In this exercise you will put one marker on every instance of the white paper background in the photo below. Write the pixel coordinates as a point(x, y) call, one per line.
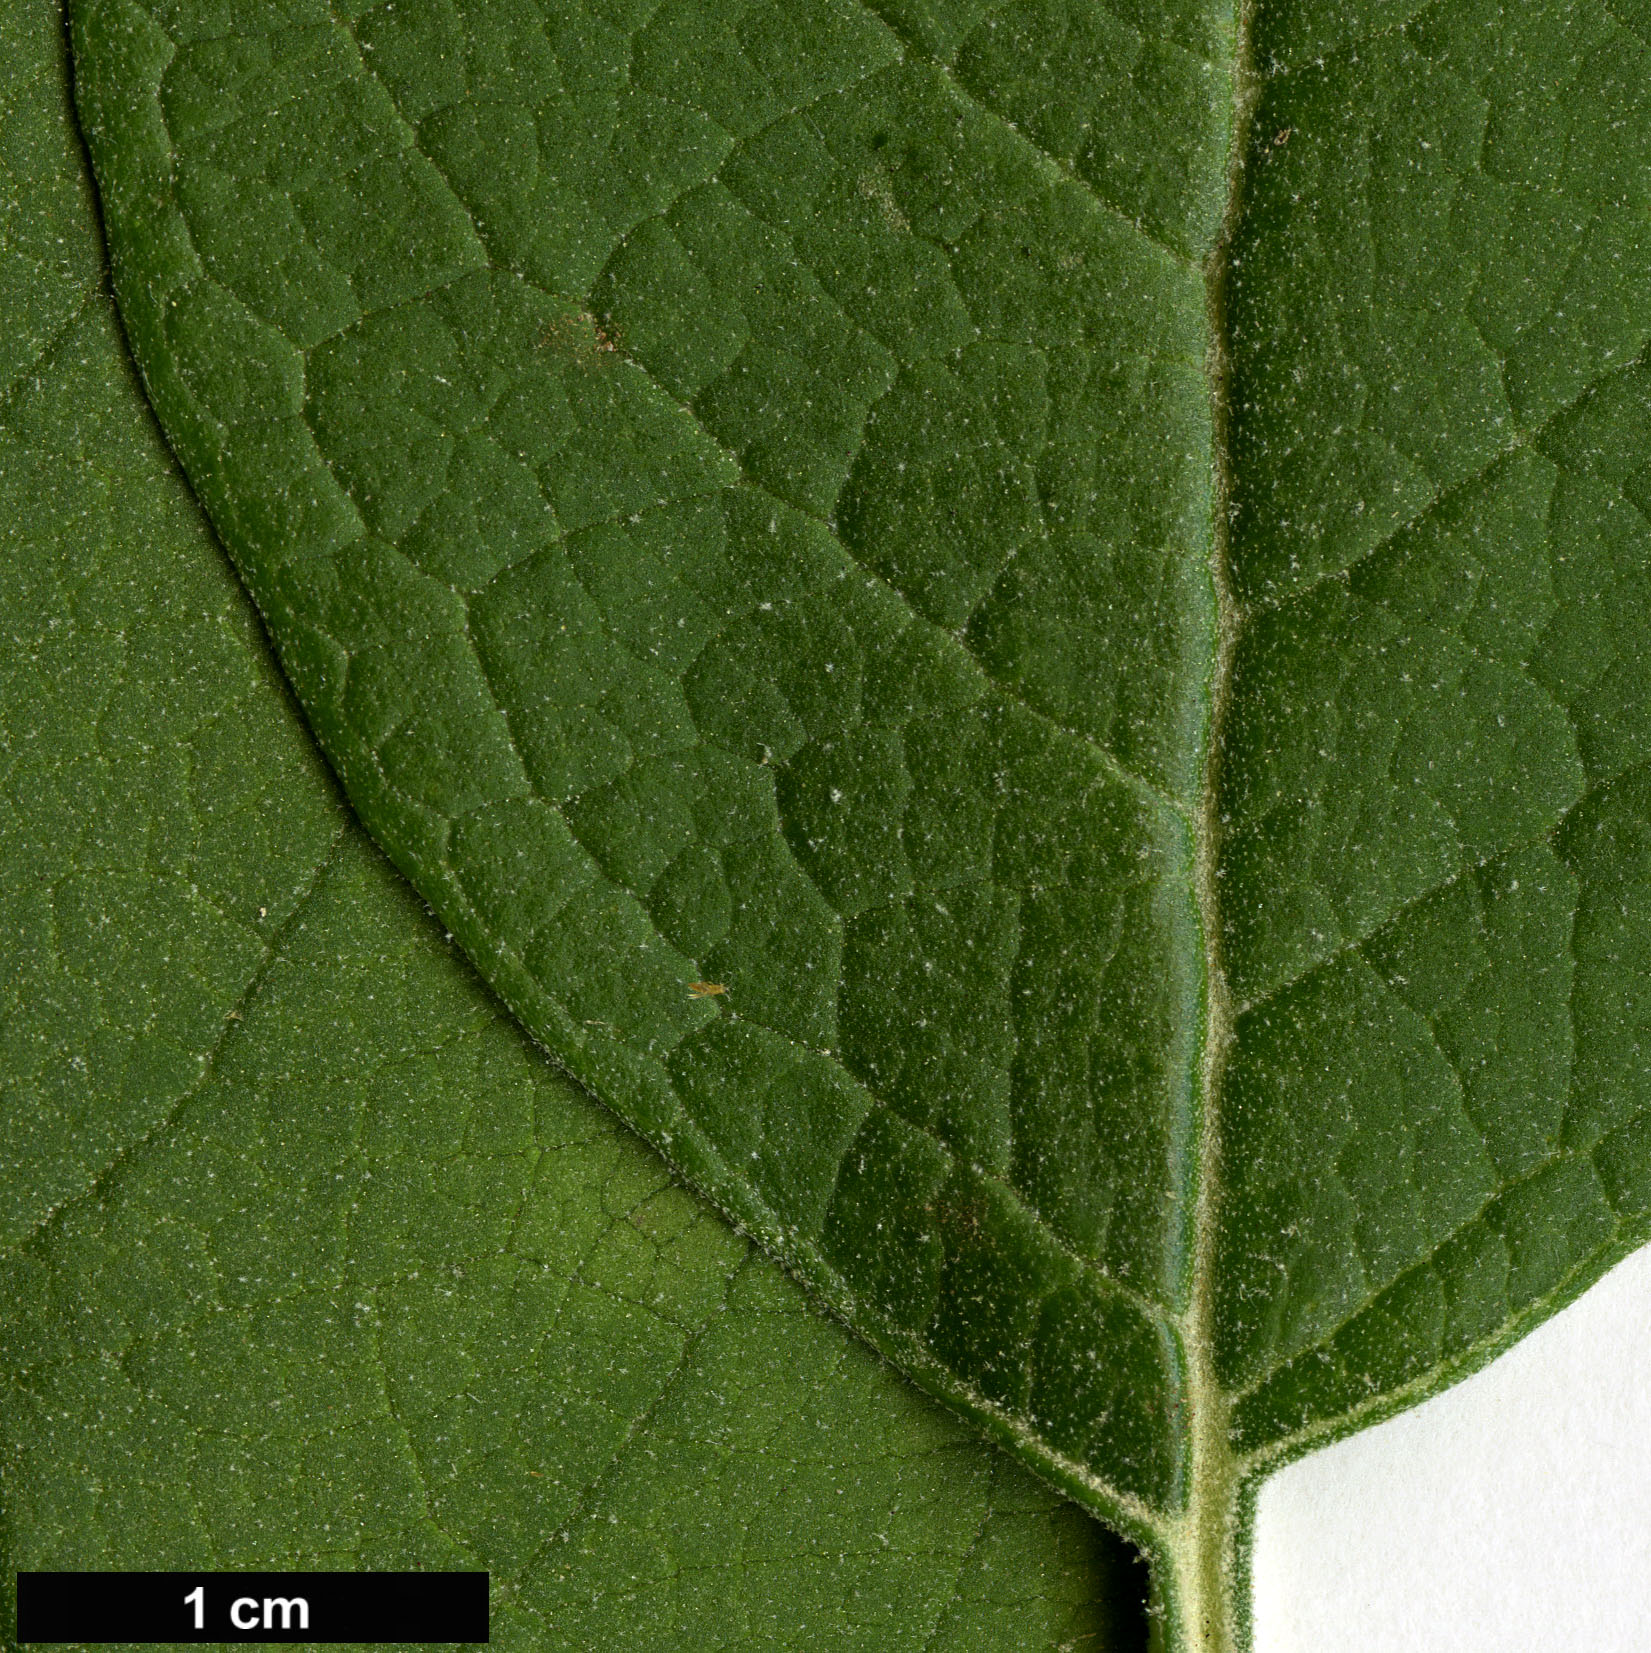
point(1511, 1514)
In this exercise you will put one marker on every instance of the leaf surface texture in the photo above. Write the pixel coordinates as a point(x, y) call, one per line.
point(1086, 566)
point(309, 1260)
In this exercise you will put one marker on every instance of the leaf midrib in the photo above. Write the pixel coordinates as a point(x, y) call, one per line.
point(1202, 1542)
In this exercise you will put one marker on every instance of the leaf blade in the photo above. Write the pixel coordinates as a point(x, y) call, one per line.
point(602, 796)
point(1412, 723)
point(230, 1332)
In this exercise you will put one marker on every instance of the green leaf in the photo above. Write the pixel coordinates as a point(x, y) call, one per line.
point(306, 1257)
point(1085, 570)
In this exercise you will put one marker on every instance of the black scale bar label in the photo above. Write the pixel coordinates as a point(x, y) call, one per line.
point(251, 1607)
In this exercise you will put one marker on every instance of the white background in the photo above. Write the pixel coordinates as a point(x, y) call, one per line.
point(1511, 1514)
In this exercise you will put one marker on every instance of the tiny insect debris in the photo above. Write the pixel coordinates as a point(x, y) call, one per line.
point(706, 989)
point(582, 336)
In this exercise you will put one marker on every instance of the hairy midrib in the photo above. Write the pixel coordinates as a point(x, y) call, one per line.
point(1202, 1533)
